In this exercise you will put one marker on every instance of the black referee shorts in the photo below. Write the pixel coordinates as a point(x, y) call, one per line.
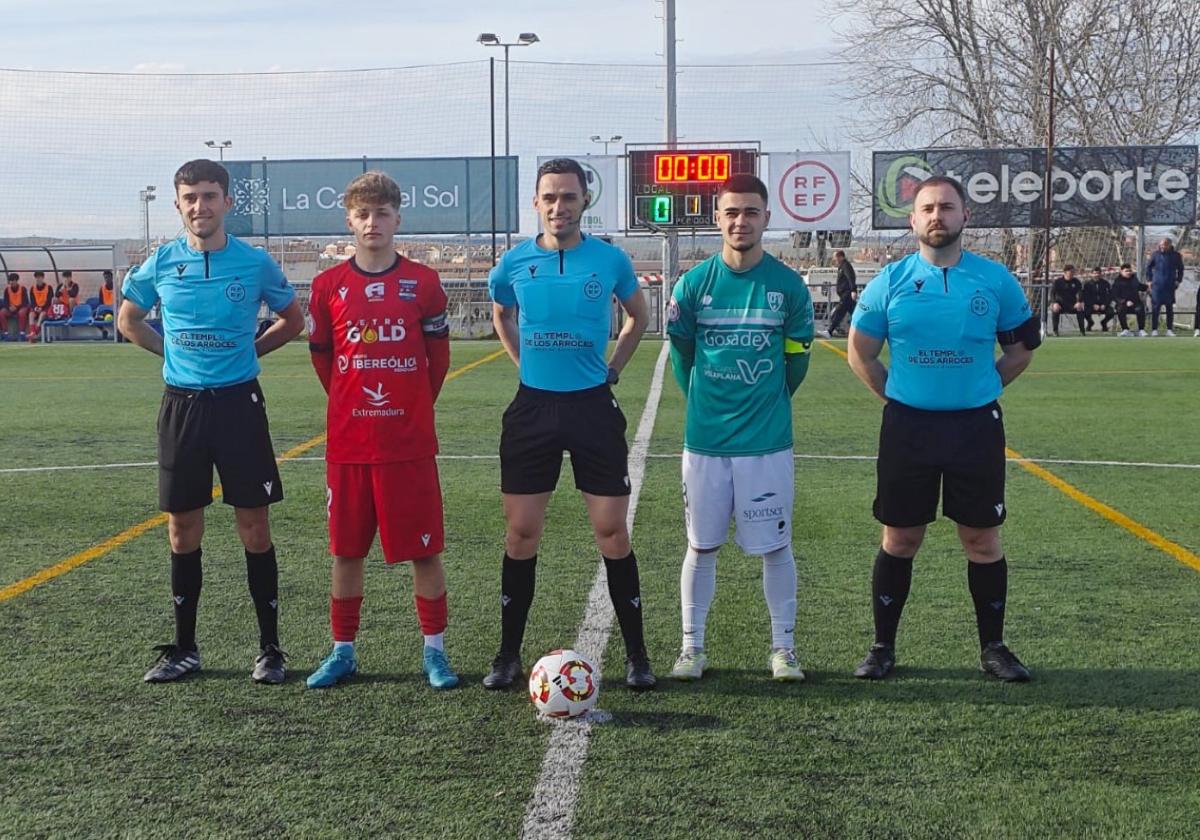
point(540, 425)
point(224, 428)
point(961, 450)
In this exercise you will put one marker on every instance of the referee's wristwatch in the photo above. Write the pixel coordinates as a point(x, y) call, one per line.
point(613, 377)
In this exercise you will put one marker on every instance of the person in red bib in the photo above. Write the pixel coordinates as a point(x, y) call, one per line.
point(14, 306)
point(41, 298)
point(379, 341)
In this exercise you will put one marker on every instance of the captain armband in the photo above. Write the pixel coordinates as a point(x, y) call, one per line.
point(1028, 333)
point(795, 348)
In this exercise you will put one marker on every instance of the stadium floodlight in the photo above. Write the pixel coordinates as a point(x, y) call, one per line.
point(596, 138)
point(220, 147)
point(491, 39)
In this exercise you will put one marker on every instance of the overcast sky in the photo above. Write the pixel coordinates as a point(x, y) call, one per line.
point(240, 36)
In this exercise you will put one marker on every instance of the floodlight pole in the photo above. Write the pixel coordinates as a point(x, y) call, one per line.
point(1049, 181)
point(490, 39)
point(146, 196)
point(671, 238)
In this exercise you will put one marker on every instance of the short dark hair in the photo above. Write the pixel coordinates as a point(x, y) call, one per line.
point(66, 272)
point(1068, 267)
point(195, 171)
point(12, 275)
point(1097, 270)
point(107, 274)
point(935, 180)
point(39, 274)
point(840, 253)
point(1127, 265)
point(561, 166)
point(743, 183)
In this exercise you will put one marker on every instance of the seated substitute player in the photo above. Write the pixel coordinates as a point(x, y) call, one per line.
point(1127, 293)
point(562, 284)
point(14, 307)
point(209, 285)
point(1066, 295)
point(941, 311)
point(740, 325)
point(41, 299)
point(68, 290)
point(381, 347)
point(1097, 300)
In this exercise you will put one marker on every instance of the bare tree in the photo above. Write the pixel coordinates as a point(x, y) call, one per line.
point(975, 72)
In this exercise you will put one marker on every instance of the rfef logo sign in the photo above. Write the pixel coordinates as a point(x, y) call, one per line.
point(810, 191)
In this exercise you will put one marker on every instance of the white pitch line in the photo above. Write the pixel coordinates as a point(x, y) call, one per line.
point(800, 456)
point(551, 810)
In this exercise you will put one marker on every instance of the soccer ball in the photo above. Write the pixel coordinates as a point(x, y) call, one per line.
point(564, 684)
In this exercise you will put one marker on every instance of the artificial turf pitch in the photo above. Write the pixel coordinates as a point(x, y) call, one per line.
point(1104, 743)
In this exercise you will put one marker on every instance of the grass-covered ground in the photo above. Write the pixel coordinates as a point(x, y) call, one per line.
point(1104, 743)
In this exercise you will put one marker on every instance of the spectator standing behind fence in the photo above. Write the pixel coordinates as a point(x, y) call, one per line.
point(1164, 273)
point(1127, 295)
point(15, 305)
point(1097, 300)
point(1066, 295)
point(41, 297)
point(847, 292)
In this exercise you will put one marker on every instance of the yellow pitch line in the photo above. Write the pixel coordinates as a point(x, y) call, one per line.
point(834, 348)
point(100, 549)
point(1139, 530)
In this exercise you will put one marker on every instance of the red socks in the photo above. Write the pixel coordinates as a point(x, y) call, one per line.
point(343, 617)
point(431, 613)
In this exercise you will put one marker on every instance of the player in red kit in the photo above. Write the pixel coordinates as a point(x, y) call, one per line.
point(381, 346)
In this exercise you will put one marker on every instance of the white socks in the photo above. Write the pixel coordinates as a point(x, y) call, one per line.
point(779, 588)
point(436, 641)
point(697, 585)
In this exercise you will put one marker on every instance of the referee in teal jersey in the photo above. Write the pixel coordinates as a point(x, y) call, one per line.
point(941, 312)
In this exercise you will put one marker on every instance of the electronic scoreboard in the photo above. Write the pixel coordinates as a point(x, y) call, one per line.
point(676, 189)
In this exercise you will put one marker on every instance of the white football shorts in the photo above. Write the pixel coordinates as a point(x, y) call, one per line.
point(756, 490)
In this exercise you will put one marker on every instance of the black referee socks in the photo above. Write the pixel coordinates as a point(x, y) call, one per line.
point(890, 583)
point(186, 578)
point(262, 573)
point(517, 580)
point(989, 590)
point(625, 591)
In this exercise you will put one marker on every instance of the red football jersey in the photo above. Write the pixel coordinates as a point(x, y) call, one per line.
point(376, 326)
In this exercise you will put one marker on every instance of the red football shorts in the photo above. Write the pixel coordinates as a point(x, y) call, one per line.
point(402, 499)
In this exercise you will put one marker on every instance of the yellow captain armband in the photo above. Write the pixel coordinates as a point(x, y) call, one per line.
point(793, 348)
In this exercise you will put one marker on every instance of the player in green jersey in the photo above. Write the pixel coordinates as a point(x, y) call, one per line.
point(740, 325)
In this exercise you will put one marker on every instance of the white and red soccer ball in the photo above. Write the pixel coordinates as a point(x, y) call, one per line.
point(564, 684)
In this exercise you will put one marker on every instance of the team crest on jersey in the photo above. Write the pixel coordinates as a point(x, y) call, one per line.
point(706, 300)
point(408, 290)
point(236, 292)
point(979, 305)
point(374, 292)
point(673, 310)
point(592, 289)
point(775, 301)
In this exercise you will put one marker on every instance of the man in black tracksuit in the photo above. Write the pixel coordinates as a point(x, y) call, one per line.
point(1097, 300)
point(847, 291)
point(1066, 295)
point(1127, 295)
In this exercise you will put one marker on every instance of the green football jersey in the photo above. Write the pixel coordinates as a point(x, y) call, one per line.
point(738, 401)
